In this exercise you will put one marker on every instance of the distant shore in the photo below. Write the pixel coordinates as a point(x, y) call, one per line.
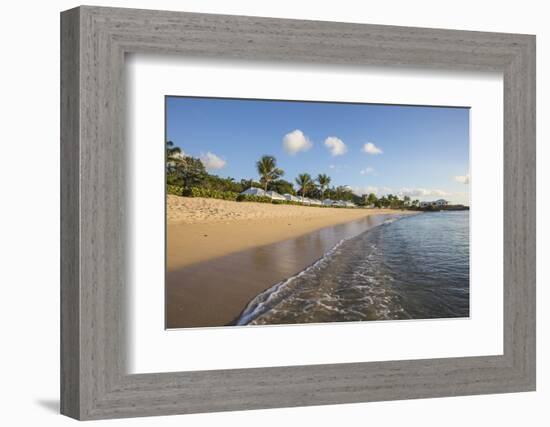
point(221, 254)
point(199, 229)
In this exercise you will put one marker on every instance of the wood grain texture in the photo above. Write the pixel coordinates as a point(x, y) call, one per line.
point(94, 272)
point(70, 333)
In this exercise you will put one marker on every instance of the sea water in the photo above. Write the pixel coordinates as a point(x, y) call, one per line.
point(410, 267)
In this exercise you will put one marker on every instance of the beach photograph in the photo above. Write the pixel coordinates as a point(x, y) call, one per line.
point(302, 212)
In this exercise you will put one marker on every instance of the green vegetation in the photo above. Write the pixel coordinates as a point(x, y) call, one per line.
point(371, 200)
point(282, 187)
point(268, 170)
point(252, 198)
point(187, 176)
point(324, 181)
point(305, 182)
point(173, 153)
point(387, 201)
point(209, 193)
point(186, 172)
point(174, 189)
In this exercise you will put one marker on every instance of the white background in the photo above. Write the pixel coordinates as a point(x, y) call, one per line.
point(152, 349)
point(29, 213)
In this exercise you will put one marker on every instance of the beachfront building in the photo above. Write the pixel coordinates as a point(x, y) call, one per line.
point(316, 202)
point(436, 204)
point(291, 198)
point(349, 204)
point(273, 195)
point(327, 202)
point(253, 191)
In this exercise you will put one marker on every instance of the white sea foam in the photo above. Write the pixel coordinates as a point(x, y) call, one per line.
point(267, 299)
point(376, 275)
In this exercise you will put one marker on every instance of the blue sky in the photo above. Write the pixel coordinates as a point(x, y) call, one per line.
point(422, 152)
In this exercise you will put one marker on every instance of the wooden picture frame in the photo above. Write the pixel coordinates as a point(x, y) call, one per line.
point(94, 382)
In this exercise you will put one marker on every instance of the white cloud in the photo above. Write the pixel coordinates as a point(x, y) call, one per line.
point(461, 197)
point(339, 167)
point(379, 191)
point(336, 146)
point(211, 161)
point(463, 179)
point(370, 148)
point(296, 141)
point(421, 192)
point(367, 171)
point(365, 190)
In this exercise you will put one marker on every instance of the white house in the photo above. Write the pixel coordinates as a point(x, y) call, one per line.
point(291, 198)
point(327, 202)
point(438, 203)
point(253, 191)
point(273, 195)
point(316, 202)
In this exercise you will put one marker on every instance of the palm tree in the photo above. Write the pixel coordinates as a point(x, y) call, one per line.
point(324, 181)
point(304, 181)
point(173, 153)
point(372, 199)
point(393, 201)
point(268, 170)
point(340, 191)
point(173, 156)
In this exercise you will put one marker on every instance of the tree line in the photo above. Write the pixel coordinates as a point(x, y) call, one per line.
point(390, 201)
point(189, 172)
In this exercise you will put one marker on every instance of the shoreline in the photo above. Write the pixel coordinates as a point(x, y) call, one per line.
point(199, 230)
point(214, 291)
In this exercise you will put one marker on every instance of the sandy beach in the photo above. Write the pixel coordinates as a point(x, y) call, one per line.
point(221, 254)
point(201, 229)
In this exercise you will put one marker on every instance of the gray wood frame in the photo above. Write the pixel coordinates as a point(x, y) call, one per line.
point(94, 41)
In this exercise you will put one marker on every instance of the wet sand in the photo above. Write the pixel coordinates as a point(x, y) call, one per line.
point(214, 291)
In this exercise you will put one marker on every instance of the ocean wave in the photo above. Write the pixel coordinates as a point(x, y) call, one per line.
point(266, 302)
point(412, 269)
point(268, 299)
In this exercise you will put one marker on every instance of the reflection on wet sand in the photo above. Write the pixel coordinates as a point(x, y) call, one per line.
point(214, 292)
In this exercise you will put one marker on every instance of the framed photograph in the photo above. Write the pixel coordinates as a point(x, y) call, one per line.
point(262, 213)
point(319, 246)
